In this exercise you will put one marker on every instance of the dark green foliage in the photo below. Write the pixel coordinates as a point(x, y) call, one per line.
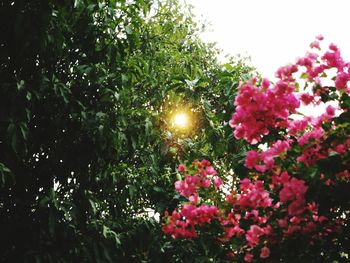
point(85, 147)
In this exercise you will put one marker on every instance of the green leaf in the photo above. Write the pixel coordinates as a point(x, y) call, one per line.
point(304, 76)
point(104, 231)
point(128, 29)
point(93, 206)
point(191, 83)
point(132, 191)
point(148, 126)
point(29, 96)
point(20, 85)
point(85, 69)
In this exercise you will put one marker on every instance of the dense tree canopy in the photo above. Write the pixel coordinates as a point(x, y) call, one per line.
point(87, 149)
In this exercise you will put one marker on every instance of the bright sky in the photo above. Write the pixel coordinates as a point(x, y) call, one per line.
point(274, 32)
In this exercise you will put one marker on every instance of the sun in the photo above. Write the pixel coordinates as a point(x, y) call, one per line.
point(180, 120)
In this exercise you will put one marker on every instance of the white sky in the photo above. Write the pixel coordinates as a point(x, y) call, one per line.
point(274, 32)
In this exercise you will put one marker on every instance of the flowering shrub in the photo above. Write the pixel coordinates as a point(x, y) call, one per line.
point(296, 195)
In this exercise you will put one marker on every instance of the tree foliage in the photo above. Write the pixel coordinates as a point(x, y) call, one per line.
point(86, 149)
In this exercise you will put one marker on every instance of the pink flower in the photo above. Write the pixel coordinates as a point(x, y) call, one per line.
point(292, 229)
point(297, 126)
point(282, 223)
point(206, 183)
point(333, 47)
point(285, 73)
point(205, 162)
point(253, 195)
point(341, 81)
point(265, 252)
point(344, 175)
point(210, 170)
point(333, 59)
point(340, 148)
point(188, 186)
point(177, 228)
point(232, 232)
point(193, 198)
point(312, 154)
point(309, 227)
point(198, 215)
point(314, 135)
point(315, 44)
point(217, 182)
point(252, 159)
point(295, 220)
point(248, 257)
point(279, 147)
point(265, 84)
point(230, 255)
point(319, 37)
point(181, 168)
point(330, 110)
point(293, 190)
point(296, 207)
point(306, 98)
point(253, 235)
point(306, 62)
point(265, 160)
point(262, 108)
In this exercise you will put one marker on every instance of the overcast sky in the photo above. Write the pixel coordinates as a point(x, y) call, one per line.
point(274, 32)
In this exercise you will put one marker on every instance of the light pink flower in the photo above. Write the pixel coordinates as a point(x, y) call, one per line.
point(217, 182)
point(315, 44)
point(319, 37)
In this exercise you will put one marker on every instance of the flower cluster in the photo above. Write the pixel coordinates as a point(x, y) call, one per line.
point(259, 109)
point(182, 223)
point(204, 177)
point(281, 200)
point(262, 107)
point(263, 161)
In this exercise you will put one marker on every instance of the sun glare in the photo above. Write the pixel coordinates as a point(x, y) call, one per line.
point(180, 120)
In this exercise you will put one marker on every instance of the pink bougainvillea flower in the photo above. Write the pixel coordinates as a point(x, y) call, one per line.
point(333, 47)
point(248, 257)
point(296, 126)
point(210, 170)
point(253, 195)
point(330, 110)
point(264, 160)
point(315, 44)
point(340, 148)
point(181, 168)
point(188, 186)
point(217, 182)
point(265, 252)
point(306, 98)
point(341, 81)
point(313, 135)
point(193, 198)
point(319, 37)
point(253, 234)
